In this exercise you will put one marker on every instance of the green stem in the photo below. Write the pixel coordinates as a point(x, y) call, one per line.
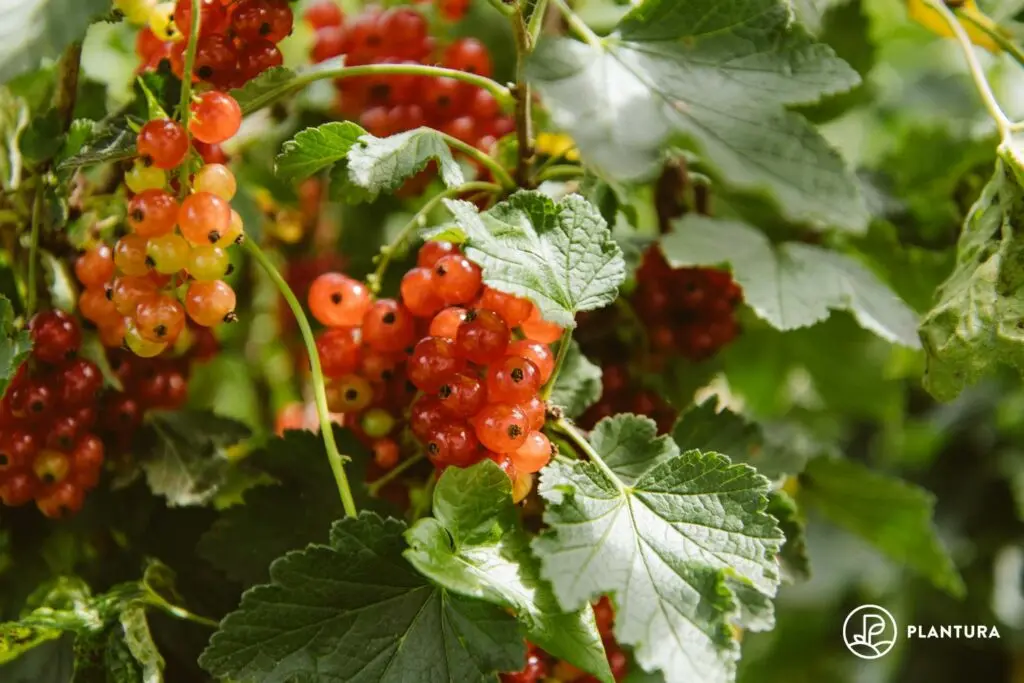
point(334, 457)
point(981, 83)
point(375, 486)
point(578, 25)
point(190, 61)
point(312, 75)
point(569, 429)
point(990, 28)
point(499, 172)
point(427, 501)
point(563, 351)
point(563, 171)
point(524, 109)
point(536, 24)
point(416, 223)
point(33, 250)
point(157, 601)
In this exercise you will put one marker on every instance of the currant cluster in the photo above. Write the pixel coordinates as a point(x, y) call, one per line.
point(687, 311)
point(389, 104)
point(171, 264)
point(49, 450)
point(621, 392)
point(448, 344)
point(237, 38)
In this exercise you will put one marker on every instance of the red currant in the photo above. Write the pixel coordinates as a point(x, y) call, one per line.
point(130, 255)
point(426, 416)
point(323, 13)
point(204, 218)
point(95, 267)
point(128, 290)
point(55, 336)
point(385, 453)
point(446, 323)
point(453, 444)
point(350, 394)
point(337, 300)
point(163, 143)
point(216, 117)
point(262, 19)
point(456, 279)
point(80, 383)
point(213, 17)
point(63, 500)
point(534, 454)
point(501, 427)
point(210, 303)
point(18, 489)
point(216, 62)
point(388, 326)
point(339, 351)
point(258, 56)
point(468, 54)
point(512, 309)
point(512, 380)
point(540, 330)
point(432, 362)
point(160, 319)
point(418, 293)
point(538, 354)
point(462, 395)
point(482, 337)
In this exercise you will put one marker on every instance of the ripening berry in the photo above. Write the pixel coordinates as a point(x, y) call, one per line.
point(167, 254)
point(213, 17)
point(111, 332)
point(350, 393)
point(339, 352)
point(87, 461)
point(462, 395)
point(537, 329)
point(216, 117)
point(385, 453)
point(51, 467)
point(535, 352)
point(207, 262)
point(453, 444)
point(204, 218)
point(34, 403)
point(160, 319)
point(94, 306)
point(95, 267)
point(142, 177)
point(256, 57)
point(482, 337)
point(521, 487)
point(262, 20)
point(139, 345)
point(128, 290)
point(210, 303)
point(512, 309)
point(426, 415)
point(456, 279)
point(152, 213)
point(136, 11)
point(446, 323)
point(432, 252)
point(468, 54)
point(534, 454)
point(79, 382)
point(501, 427)
point(233, 235)
point(323, 13)
point(18, 489)
point(419, 294)
point(55, 336)
point(163, 143)
point(388, 326)
point(130, 255)
point(377, 423)
point(216, 179)
point(512, 380)
point(63, 500)
point(337, 300)
point(432, 362)
point(162, 24)
point(18, 447)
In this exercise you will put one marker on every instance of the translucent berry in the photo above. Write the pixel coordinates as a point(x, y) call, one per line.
point(350, 394)
point(323, 13)
point(512, 380)
point(262, 19)
point(216, 179)
point(216, 61)
point(537, 329)
point(210, 303)
point(163, 143)
point(128, 290)
point(130, 255)
point(432, 362)
point(139, 345)
point(432, 252)
point(18, 489)
point(142, 177)
point(339, 351)
point(512, 309)
point(63, 500)
point(468, 54)
point(418, 293)
point(216, 117)
point(462, 395)
point(95, 267)
point(213, 16)
point(111, 333)
point(152, 213)
point(207, 262)
point(161, 22)
point(55, 336)
point(505, 464)
point(534, 454)
point(87, 461)
point(204, 218)
point(379, 367)
point(446, 323)
point(388, 326)
point(160, 319)
point(453, 444)
point(337, 300)
point(385, 453)
point(377, 422)
point(501, 427)
point(79, 383)
point(482, 337)
point(51, 467)
point(94, 306)
point(168, 254)
point(234, 231)
point(537, 353)
point(18, 448)
point(426, 415)
point(457, 279)
point(257, 56)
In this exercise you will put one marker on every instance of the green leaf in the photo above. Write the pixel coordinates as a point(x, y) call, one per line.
point(134, 633)
point(294, 512)
point(384, 164)
point(52, 661)
point(893, 515)
point(115, 142)
point(279, 82)
point(184, 455)
point(717, 78)
point(354, 610)
point(796, 565)
point(314, 149)
point(14, 119)
point(43, 137)
point(978, 320)
point(475, 545)
point(672, 536)
point(15, 345)
point(579, 383)
point(33, 30)
point(559, 255)
point(792, 285)
point(17, 639)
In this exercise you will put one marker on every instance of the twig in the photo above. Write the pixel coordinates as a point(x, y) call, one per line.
point(375, 486)
point(578, 25)
point(563, 351)
point(524, 108)
point(68, 71)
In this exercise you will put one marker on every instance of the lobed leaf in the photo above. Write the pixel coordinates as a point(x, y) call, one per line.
point(383, 164)
point(314, 149)
point(15, 345)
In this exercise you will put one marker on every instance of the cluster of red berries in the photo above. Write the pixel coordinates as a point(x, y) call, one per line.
point(687, 311)
point(389, 104)
point(171, 264)
point(48, 449)
point(237, 38)
point(622, 393)
point(475, 387)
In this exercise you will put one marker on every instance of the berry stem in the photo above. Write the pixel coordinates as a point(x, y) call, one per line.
point(570, 430)
point(499, 172)
point(375, 486)
point(579, 25)
point(560, 171)
point(536, 24)
point(185, 107)
point(334, 457)
point(322, 72)
point(986, 25)
point(33, 250)
point(524, 99)
point(417, 223)
point(563, 351)
point(156, 600)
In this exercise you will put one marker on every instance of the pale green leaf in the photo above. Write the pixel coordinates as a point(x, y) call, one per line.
point(33, 30)
point(14, 119)
point(792, 285)
point(15, 345)
point(579, 383)
point(315, 149)
point(384, 164)
point(475, 545)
